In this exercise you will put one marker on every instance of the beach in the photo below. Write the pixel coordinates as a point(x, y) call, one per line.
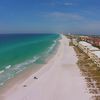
point(58, 79)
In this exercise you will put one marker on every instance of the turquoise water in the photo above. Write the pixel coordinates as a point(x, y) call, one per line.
point(18, 51)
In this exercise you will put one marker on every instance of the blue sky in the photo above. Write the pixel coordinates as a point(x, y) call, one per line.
point(30, 16)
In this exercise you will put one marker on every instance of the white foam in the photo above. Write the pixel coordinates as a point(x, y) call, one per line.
point(1, 71)
point(1, 84)
point(7, 67)
point(11, 71)
point(52, 46)
point(27, 62)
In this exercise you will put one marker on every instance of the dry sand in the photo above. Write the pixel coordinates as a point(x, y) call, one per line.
point(59, 79)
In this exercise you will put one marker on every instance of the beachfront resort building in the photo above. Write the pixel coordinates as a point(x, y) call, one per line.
point(96, 57)
point(89, 49)
point(95, 41)
point(84, 46)
point(75, 42)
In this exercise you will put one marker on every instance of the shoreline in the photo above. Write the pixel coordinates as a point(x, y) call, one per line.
point(19, 78)
point(57, 80)
point(23, 75)
point(25, 51)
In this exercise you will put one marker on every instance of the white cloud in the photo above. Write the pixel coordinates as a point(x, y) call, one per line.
point(60, 3)
point(71, 22)
point(94, 25)
point(68, 4)
point(89, 26)
point(65, 16)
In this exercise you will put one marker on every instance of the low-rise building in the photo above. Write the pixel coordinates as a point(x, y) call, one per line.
point(84, 46)
point(75, 42)
point(91, 51)
point(96, 57)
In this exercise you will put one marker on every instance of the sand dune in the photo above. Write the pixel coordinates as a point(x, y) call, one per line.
point(59, 79)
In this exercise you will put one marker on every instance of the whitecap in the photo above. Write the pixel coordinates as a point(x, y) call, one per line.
point(52, 46)
point(7, 67)
point(1, 84)
point(22, 65)
point(1, 71)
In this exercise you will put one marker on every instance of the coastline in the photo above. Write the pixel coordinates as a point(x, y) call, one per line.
point(57, 80)
point(26, 73)
point(23, 51)
point(18, 79)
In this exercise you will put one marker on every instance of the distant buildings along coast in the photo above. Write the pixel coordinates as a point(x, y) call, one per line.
point(88, 44)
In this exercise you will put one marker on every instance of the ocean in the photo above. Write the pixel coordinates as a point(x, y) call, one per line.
point(18, 51)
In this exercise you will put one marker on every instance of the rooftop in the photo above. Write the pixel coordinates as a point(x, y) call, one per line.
point(97, 53)
point(85, 43)
point(92, 48)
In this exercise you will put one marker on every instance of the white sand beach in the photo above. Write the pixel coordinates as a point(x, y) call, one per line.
point(59, 79)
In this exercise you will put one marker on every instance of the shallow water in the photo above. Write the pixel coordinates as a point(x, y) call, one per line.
point(18, 51)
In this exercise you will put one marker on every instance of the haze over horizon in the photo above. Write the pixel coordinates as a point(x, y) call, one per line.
point(30, 16)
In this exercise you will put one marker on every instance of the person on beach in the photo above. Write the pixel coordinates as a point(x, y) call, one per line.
point(35, 78)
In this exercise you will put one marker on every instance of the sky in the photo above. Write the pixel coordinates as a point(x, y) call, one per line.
point(35, 16)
